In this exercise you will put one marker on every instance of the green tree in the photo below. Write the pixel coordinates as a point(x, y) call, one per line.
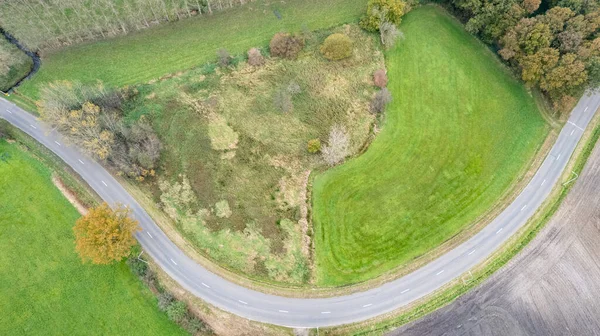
point(379, 11)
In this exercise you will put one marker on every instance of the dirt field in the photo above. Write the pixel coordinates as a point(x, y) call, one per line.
point(551, 288)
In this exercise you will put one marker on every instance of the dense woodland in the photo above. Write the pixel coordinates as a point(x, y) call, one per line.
point(47, 24)
point(553, 44)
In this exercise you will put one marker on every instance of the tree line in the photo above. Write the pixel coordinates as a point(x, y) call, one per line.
point(49, 24)
point(553, 45)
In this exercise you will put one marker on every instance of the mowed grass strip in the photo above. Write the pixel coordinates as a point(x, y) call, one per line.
point(154, 52)
point(45, 289)
point(459, 132)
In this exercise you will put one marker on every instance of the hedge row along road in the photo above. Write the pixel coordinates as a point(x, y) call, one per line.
point(295, 312)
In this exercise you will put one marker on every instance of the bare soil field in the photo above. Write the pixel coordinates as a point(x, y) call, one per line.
point(551, 288)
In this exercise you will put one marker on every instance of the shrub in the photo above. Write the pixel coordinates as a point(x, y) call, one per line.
point(194, 325)
point(337, 47)
point(138, 267)
point(224, 58)
point(177, 311)
point(380, 101)
point(338, 146)
point(255, 58)
point(389, 34)
point(164, 300)
point(379, 11)
point(222, 209)
point(314, 146)
point(286, 46)
point(380, 78)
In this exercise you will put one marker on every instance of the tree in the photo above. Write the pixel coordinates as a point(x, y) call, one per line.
point(568, 75)
point(337, 47)
point(104, 236)
point(379, 11)
point(286, 46)
point(380, 101)
point(389, 34)
point(531, 5)
point(534, 67)
point(338, 146)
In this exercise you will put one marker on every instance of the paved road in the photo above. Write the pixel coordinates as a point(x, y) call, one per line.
point(327, 311)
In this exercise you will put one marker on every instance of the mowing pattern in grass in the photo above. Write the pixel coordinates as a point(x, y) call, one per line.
point(19, 65)
point(168, 48)
point(459, 132)
point(45, 289)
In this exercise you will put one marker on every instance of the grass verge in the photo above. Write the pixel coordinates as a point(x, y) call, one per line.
point(45, 288)
point(458, 135)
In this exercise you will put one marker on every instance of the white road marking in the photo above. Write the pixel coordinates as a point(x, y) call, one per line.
point(405, 291)
point(205, 285)
point(325, 312)
point(243, 302)
point(33, 126)
point(149, 234)
point(558, 157)
point(106, 185)
point(283, 311)
point(80, 161)
point(440, 272)
point(367, 305)
point(544, 181)
point(58, 143)
point(575, 125)
point(586, 108)
point(471, 252)
point(173, 261)
point(499, 230)
point(8, 111)
point(523, 208)
point(573, 131)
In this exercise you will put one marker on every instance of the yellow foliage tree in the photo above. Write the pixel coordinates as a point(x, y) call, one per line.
point(105, 235)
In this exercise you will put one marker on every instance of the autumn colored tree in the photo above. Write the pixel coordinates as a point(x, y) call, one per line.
point(531, 5)
point(104, 235)
point(379, 11)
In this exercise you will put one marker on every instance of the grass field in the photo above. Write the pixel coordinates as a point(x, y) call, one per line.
point(19, 65)
point(459, 132)
point(45, 288)
point(168, 48)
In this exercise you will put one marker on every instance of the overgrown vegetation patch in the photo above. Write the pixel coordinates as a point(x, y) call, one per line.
point(14, 64)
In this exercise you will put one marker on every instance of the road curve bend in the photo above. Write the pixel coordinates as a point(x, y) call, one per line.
point(321, 312)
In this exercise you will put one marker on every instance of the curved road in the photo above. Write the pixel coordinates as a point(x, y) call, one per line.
point(293, 312)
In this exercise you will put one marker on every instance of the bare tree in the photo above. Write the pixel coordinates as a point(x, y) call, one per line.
point(338, 146)
point(389, 34)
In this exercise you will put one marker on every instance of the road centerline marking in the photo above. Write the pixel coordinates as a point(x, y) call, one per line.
point(106, 185)
point(586, 108)
point(283, 311)
point(499, 230)
point(405, 291)
point(149, 234)
point(367, 305)
point(33, 126)
point(472, 252)
point(440, 272)
point(58, 143)
point(243, 302)
point(573, 131)
point(173, 261)
point(523, 208)
point(327, 312)
point(558, 157)
point(544, 181)
point(80, 161)
point(205, 285)
point(8, 111)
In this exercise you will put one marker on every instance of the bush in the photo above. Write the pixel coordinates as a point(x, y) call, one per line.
point(380, 101)
point(379, 11)
point(177, 311)
point(194, 325)
point(224, 58)
point(286, 46)
point(255, 58)
point(380, 78)
point(314, 146)
point(337, 47)
point(338, 146)
point(389, 33)
point(164, 300)
point(138, 267)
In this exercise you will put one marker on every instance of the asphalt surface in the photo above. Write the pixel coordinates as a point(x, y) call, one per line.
point(294, 312)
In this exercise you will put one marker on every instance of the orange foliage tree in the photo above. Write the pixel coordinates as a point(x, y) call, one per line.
point(105, 235)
